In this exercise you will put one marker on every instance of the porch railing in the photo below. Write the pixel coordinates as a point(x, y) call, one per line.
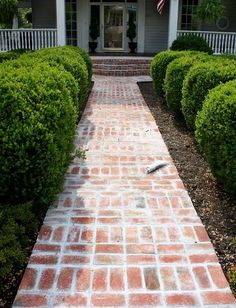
point(27, 39)
point(220, 42)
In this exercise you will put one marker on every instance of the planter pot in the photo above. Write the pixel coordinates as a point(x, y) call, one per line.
point(132, 46)
point(93, 46)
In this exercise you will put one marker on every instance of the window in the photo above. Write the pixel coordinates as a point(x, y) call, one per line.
point(71, 22)
point(188, 11)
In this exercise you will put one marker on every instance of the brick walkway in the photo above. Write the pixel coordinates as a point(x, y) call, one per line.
point(117, 236)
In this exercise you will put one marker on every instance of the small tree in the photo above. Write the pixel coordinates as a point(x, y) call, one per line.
point(210, 10)
point(131, 32)
point(8, 8)
point(94, 30)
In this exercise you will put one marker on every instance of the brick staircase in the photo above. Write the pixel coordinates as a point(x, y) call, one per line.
point(121, 66)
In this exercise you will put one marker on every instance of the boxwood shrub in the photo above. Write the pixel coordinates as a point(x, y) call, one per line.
point(72, 62)
point(191, 42)
point(159, 65)
point(216, 133)
point(17, 226)
point(199, 80)
point(4, 56)
point(30, 63)
point(175, 74)
point(37, 128)
point(83, 53)
point(13, 54)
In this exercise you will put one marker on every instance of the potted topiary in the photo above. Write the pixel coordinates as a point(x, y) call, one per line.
point(131, 33)
point(94, 34)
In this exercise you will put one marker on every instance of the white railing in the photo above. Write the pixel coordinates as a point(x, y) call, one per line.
point(27, 39)
point(220, 42)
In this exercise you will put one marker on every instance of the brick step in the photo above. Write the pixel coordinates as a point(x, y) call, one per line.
point(120, 63)
point(122, 72)
point(121, 66)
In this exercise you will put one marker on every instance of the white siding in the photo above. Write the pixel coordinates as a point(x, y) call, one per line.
point(156, 28)
point(44, 14)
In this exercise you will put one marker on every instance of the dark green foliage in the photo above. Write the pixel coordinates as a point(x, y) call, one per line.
point(199, 80)
point(216, 133)
point(37, 127)
point(191, 42)
point(72, 62)
point(13, 54)
point(210, 10)
point(7, 56)
point(7, 10)
point(231, 275)
point(131, 31)
point(83, 53)
point(227, 56)
point(175, 74)
point(28, 61)
point(94, 29)
point(20, 51)
point(38, 114)
point(159, 65)
point(17, 225)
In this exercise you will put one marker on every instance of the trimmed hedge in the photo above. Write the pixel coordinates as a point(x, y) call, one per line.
point(88, 61)
point(72, 62)
point(227, 56)
point(13, 54)
point(191, 42)
point(159, 65)
point(37, 128)
point(199, 80)
point(17, 225)
point(39, 110)
point(4, 56)
point(175, 74)
point(30, 62)
point(216, 133)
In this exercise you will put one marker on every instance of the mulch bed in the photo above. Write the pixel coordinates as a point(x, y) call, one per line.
point(215, 207)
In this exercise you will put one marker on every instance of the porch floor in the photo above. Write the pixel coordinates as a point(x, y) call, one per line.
point(119, 237)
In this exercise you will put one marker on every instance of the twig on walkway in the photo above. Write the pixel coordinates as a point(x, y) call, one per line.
point(155, 167)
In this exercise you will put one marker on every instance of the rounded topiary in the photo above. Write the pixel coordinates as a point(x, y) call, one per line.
point(131, 31)
point(73, 63)
point(200, 79)
point(88, 61)
point(159, 65)
point(175, 74)
point(30, 62)
point(37, 129)
point(191, 42)
point(216, 133)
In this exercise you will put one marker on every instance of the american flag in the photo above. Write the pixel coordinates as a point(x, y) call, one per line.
point(160, 6)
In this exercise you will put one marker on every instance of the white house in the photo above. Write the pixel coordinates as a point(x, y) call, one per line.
point(61, 22)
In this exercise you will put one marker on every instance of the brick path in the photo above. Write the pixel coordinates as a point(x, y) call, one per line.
point(117, 236)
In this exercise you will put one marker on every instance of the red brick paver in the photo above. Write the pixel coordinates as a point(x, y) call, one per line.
point(119, 237)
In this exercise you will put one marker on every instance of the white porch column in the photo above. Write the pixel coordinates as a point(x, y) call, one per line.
point(83, 23)
point(141, 25)
point(61, 22)
point(173, 21)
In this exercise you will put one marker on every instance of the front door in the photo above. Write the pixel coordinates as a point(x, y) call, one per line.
point(113, 27)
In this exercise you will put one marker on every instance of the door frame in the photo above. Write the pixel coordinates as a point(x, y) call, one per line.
point(103, 5)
